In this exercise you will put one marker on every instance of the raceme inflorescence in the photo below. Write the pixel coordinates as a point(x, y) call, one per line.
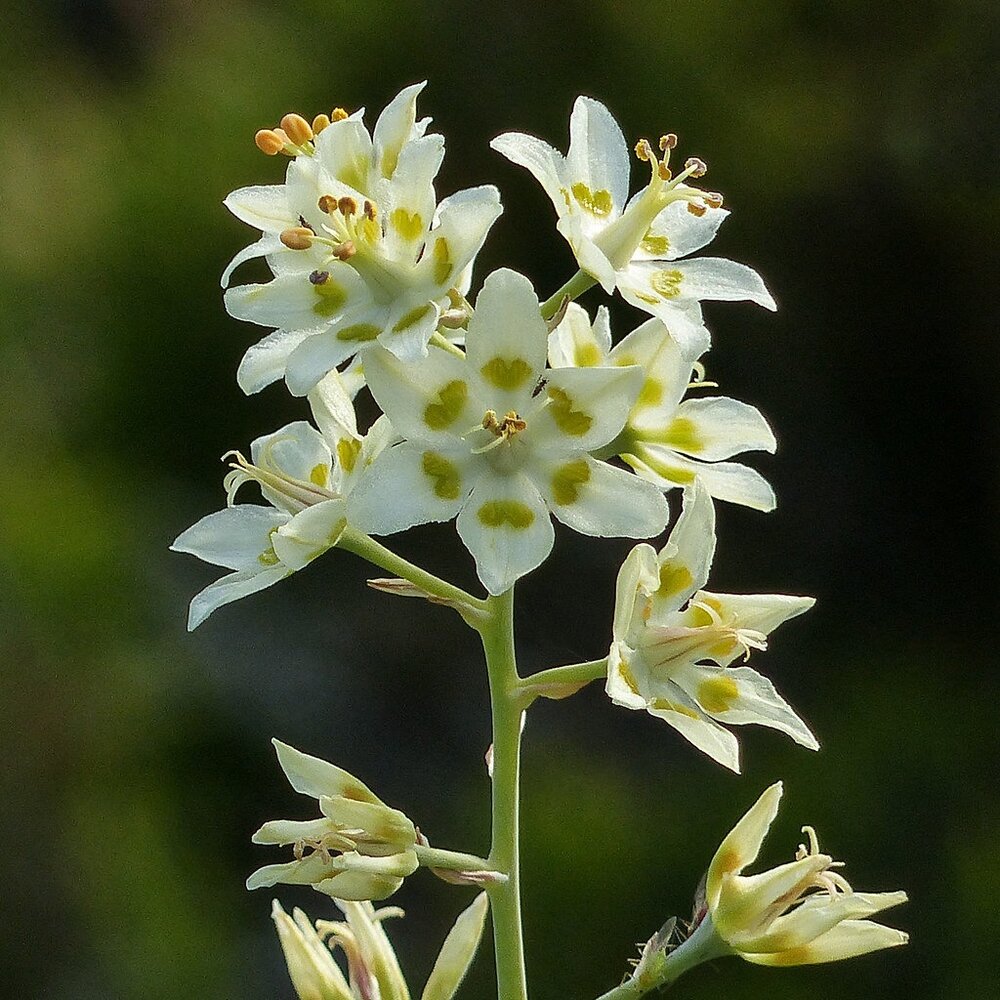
point(506, 414)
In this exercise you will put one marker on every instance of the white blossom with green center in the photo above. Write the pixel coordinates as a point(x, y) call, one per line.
point(373, 971)
point(305, 475)
point(799, 913)
point(634, 244)
point(499, 441)
point(674, 644)
point(359, 247)
point(667, 439)
point(359, 848)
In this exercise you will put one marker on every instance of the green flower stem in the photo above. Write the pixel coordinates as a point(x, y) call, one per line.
point(472, 609)
point(576, 286)
point(702, 946)
point(435, 857)
point(505, 898)
point(560, 682)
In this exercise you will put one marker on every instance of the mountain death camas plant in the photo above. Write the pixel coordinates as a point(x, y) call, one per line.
point(511, 417)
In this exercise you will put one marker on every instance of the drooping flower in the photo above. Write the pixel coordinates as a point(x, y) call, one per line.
point(305, 475)
point(358, 849)
point(799, 913)
point(666, 440)
point(359, 246)
point(635, 244)
point(674, 644)
point(500, 441)
point(373, 971)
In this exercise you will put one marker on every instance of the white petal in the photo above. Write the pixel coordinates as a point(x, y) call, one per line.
point(314, 777)
point(763, 612)
point(297, 451)
point(506, 340)
point(639, 573)
point(742, 844)
point(319, 354)
point(543, 162)
point(333, 410)
point(685, 560)
point(308, 871)
point(360, 885)
point(667, 368)
point(231, 588)
point(407, 202)
point(263, 206)
point(427, 400)
point(409, 328)
point(589, 255)
point(708, 736)
point(464, 219)
point(293, 302)
point(394, 127)
point(820, 913)
point(581, 409)
point(506, 527)
point(621, 687)
point(729, 481)
point(265, 362)
point(235, 537)
point(458, 951)
point(598, 154)
point(310, 533)
point(344, 149)
point(597, 499)
point(267, 244)
point(741, 696)
point(408, 485)
point(722, 280)
point(576, 343)
point(717, 427)
point(682, 317)
point(847, 940)
point(287, 831)
point(676, 232)
point(310, 964)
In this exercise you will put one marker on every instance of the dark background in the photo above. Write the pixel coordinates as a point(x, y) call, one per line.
point(857, 146)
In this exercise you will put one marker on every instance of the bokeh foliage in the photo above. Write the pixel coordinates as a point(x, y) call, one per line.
point(856, 143)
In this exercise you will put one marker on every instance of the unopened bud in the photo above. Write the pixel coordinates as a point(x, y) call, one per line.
point(338, 115)
point(347, 205)
point(298, 238)
point(327, 204)
point(269, 141)
point(697, 167)
point(297, 128)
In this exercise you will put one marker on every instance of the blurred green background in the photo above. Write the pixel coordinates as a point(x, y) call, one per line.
point(856, 144)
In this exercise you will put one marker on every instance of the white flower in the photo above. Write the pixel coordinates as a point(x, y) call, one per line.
point(674, 642)
point(373, 971)
point(359, 848)
point(359, 247)
point(499, 441)
point(304, 474)
point(665, 440)
point(635, 244)
point(799, 913)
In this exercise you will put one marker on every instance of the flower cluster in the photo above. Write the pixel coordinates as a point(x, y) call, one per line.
point(505, 413)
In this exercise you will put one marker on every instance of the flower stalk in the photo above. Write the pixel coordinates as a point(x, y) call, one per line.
point(505, 898)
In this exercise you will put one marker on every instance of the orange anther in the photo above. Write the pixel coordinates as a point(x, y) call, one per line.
point(269, 141)
point(297, 129)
